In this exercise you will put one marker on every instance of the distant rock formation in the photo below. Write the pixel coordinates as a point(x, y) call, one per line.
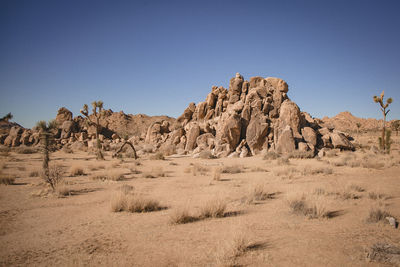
point(249, 117)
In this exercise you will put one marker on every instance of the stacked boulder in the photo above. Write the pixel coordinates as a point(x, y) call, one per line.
point(249, 117)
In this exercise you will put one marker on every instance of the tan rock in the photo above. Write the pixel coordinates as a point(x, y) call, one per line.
point(192, 134)
point(286, 144)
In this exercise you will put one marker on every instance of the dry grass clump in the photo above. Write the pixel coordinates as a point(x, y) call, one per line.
point(62, 190)
point(76, 171)
point(113, 175)
point(372, 164)
point(196, 169)
point(2, 166)
point(377, 195)
point(122, 201)
point(25, 150)
point(182, 216)
point(283, 161)
point(55, 176)
point(7, 179)
point(315, 209)
point(206, 154)
point(232, 169)
point(301, 154)
point(258, 193)
point(258, 169)
point(308, 170)
point(287, 172)
point(157, 156)
point(216, 174)
point(385, 253)
point(356, 188)
point(95, 167)
point(154, 173)
point(34, 173)
point(271, 155)
point(213, 209)
point(376, 215)
point(330, 153)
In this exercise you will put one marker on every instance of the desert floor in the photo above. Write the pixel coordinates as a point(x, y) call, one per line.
point(301, 212)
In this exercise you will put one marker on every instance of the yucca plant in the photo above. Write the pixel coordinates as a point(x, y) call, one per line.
point(46, 134)
point(380, 100)
point(97, 112)
point(358, 127)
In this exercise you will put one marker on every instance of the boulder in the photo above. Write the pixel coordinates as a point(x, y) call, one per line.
point(256, 133)
point(192, 134)
point(63, 114)
point(278, 84)
point(14, 137)
point(67, 128)
point(228, 130)
point(290, 116)
point(205, 140)
point(235, 88)
point(309, 135)
point(285, 143)
point(340, 141)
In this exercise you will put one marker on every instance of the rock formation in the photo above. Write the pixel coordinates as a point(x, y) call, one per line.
point(249, 117)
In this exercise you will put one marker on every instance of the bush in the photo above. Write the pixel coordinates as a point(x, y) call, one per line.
point(55, 176)
point(157, 156)
point(154, 173)
point(77, 171)
point(34, 173)
point(232, 169)
point(213, 209)
point(258, 193)
point(110, 176)
point(6, 179)
point(25, 150)
point(376, 214)
point(271, 155)
point(181, 216)
point(132, 203)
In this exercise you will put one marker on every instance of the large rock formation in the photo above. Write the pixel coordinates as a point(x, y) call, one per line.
point(251, 116)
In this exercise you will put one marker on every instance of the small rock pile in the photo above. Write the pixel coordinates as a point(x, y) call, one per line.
point(249, 117)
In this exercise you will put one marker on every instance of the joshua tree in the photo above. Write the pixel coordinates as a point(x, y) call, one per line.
point(98, 112)
point(358, 126)
point(46, 134)
point(7, 117)
point(382, 142)
point(396, 126)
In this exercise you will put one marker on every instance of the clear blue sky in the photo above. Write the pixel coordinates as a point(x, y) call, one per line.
point(155, 57)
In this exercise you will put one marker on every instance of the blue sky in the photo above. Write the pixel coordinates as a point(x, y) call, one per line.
point(154, 57)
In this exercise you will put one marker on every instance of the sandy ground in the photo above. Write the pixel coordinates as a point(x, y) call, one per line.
point(40, 228)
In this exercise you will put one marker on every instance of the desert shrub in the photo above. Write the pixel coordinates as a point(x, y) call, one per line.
point(132, 203)
point(377, 214)
point(376, 195)
point(7, 179)
point(154, 173)
point(95, 167)
point(62, 190)
point(34, 173)
point(258, 193)
point(76, 171)
point(4, 149)
point(140, 204)
point(109, 175)
point(54, 177)
point(319, 191)
point(67, 149)
point(356, 188)
point(118, 202)
point(311, 209)
point(283, 161)
point(213, 209)
point(232, 169)
point(372, 164)
point(206, 154)
point(157, 156)
point(216, 174)
point(271, 155)
point(258, 169)
point(25, 150)
point(21, 168)
point(301, 154)
point(168, 150)
point(181, 216)
point(196, 169)
point(330, 153)
point(126, 189)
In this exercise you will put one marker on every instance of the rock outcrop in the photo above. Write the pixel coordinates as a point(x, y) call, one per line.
point(249, 117)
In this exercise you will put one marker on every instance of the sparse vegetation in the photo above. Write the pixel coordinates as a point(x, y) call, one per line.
point(122, 201)
point(77, 171)
point(7, 179)
point(271, 155)
point(112, 175)
point(25, 150)
point(34, 173)
point(214, 208)
point(181, 216)
point(157, 156)
point(376, 196)
point(258, 193)
point(216, 174)
point(232, 169)
point(154, 173)
point(311, 209)
point(376, 215)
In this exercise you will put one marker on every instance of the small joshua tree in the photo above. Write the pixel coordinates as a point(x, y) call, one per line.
point(46, 134)
point(7, 117)
point(358, 126)
point(396, 126)
point(98, 112)
point(382, 142)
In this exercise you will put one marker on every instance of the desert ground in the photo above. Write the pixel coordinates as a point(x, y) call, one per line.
point(264, 210)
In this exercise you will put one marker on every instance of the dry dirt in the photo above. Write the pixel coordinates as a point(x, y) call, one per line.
point(40, 228)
